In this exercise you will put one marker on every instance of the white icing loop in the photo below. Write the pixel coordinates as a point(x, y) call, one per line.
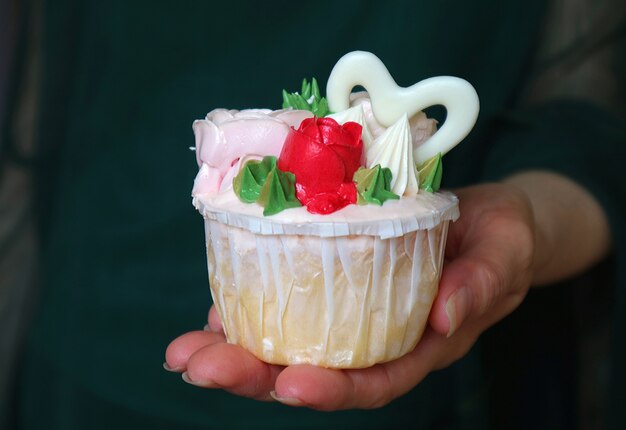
point(390, 101)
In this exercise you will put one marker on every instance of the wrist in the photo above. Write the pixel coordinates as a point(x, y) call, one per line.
point(571, 229)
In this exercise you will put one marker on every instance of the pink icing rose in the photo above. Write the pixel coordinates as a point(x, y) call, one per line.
point(226, 136)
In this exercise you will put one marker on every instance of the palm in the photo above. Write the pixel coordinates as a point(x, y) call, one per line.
point(488, 271)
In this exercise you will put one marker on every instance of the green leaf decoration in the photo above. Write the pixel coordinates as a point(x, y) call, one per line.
point(279, 192)
point(262, 182)
point(251, 178)
point(373, 185)
point(306, 88)
point(309, 99)
point(430, 173)
point(319, 107)
point(295, 101)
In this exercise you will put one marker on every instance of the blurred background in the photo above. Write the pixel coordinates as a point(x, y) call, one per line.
point(96, 105)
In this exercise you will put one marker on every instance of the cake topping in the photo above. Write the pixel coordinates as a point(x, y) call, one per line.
point(375, 146)
point(225, 136)
point(355, 114)
point(262, 182)
point(430, 174)
point(309, 99)
point(390, 101)
point(394, 150)
point(374, 185)
point(323, 155)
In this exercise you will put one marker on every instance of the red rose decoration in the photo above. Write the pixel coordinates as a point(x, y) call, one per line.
point(323, 155)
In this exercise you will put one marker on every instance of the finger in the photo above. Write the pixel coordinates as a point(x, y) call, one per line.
point(455, 298)
point(332, 389)
point(227, 366)
point(180, 349)
point(215, 323)
point(491, 252)
point(482, 280)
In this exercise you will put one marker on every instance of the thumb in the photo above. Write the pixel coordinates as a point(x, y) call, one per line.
point(490, 251)
point(458, 297)
point(484, 282)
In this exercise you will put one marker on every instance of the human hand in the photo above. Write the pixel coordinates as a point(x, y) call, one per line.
point(488, 271)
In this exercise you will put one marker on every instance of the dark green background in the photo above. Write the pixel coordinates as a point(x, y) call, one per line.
point(124, 264)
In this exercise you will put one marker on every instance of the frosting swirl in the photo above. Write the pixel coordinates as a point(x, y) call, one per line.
point(224, 137)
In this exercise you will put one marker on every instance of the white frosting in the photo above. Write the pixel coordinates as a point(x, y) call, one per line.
point(390, 147)
point(394, 149)
point(226, 139)
point(396, 135)
point(392, 219)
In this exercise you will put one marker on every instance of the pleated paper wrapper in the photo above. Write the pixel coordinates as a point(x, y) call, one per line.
point(333, 294)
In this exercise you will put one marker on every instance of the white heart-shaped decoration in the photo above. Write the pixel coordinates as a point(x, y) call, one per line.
point(390, 101)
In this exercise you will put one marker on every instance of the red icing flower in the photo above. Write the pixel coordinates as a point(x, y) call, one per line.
point(323, 155)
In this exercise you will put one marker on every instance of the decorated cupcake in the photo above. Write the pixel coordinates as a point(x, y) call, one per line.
point(325, 229)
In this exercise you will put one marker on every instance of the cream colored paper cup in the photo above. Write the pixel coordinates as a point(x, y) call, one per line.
point(338, 294)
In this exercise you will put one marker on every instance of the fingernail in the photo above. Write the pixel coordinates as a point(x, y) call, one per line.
point(207, 328)
point(289, 401)
point(456, 308)
point(172, 369)
point(206, 383)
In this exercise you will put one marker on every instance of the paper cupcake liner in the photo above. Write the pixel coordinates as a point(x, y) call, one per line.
point(339, 301)
point(394, 219)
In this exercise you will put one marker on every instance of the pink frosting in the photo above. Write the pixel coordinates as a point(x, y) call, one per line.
point(224, 137)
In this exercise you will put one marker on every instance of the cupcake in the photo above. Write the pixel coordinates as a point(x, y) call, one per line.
point(325, 229)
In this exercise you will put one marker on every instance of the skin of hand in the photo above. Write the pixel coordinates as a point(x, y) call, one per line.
point(504, 242)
